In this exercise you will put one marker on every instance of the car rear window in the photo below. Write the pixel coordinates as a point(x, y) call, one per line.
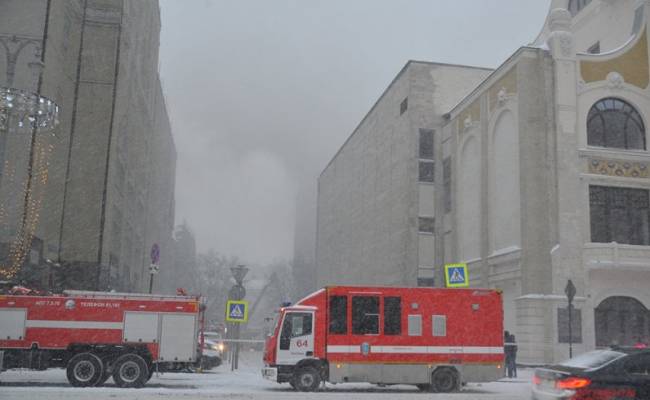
point(593, 359)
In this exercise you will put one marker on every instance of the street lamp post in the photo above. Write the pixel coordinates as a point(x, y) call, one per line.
point(570, 291)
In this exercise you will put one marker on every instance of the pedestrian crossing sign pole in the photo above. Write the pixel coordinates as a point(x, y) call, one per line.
point(456, 275)
point(237, 311)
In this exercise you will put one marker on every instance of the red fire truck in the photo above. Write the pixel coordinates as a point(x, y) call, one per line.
point(95, 335)
point(436, 339)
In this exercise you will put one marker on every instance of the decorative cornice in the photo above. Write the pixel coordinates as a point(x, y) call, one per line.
point(624, 169)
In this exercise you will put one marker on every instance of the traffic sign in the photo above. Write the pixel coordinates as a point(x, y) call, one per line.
point(237, 292)
point(155, 253)
point(570, 291)
point(237, 311)
point(153, 269)
point(456, 275)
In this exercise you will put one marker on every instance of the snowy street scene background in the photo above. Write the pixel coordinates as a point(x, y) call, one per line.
point(246, 383)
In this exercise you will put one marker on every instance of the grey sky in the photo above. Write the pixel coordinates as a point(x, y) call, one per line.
point(262, 93)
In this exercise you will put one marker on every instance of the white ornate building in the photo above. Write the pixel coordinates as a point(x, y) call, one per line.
point(542, 175)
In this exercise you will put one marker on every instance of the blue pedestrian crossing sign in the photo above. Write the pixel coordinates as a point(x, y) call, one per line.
point(237, 311)
point(456, 275)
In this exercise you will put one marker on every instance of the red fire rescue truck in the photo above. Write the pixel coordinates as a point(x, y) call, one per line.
point(436, 339)
point(95, 335)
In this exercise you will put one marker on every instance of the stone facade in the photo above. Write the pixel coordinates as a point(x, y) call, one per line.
point(525, 194)
point(110, 189)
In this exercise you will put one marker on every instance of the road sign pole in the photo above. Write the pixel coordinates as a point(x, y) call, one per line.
point(570, 291)
point(237, 292)
point(155, 260)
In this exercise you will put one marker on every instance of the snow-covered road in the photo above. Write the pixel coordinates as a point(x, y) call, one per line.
point(246, 383)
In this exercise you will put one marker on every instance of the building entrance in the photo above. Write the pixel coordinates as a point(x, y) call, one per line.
point(621, 321)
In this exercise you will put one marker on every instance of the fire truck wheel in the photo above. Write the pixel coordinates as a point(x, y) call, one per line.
point(152, 369)
point(424, 387)
point(104, 378)
point(306, 379)
point(130, 371)
point(444, 380)
point(84, 369)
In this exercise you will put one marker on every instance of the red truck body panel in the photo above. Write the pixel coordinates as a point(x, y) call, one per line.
point(58, 322)
point(469, 333)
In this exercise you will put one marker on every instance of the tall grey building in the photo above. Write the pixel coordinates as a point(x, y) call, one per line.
point(541, 176)
point(109, 192)
point(376, 196)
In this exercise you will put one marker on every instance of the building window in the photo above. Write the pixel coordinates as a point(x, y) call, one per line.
point(619, 215)
point(563, 325)
point(446, 178)
point(404, 105)
point(615, 123)
point(594, 49)
point(392, 316)
point(426, 282)
point(426, 144)
point(365, 315)
point(439, 323)
point(638, 19)
point(426, 225)
point(575, 6)
point(338, 315)
point(427, 169)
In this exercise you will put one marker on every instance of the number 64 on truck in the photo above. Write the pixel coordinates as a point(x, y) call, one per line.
point(436, 339)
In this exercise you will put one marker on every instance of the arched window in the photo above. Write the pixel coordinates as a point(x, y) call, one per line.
point(576, 5)
point(615, 123)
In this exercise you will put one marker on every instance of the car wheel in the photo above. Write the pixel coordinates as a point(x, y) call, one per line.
point(84, 370)
point(306, 379)
point(444, 380)
point(130, 371)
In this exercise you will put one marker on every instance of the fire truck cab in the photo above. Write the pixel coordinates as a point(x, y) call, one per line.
point(435, 339)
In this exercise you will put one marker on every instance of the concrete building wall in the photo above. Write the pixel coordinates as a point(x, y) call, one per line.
point(109, 192)
point(369, 199)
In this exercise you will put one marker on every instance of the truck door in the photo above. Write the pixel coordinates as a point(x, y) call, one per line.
point(296, 339)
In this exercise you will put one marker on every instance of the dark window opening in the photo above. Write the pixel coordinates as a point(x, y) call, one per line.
point(392, 316)
point(563, 325)
point(620, 215)
point(426, 225)
point(446, 178)
point(426, 144)
point(404, 105)
point(338, 315)
point(575, 6)
point(594, 49)
point(615, 123)
point(426, 282)
point(427, 170)
point(365, 315)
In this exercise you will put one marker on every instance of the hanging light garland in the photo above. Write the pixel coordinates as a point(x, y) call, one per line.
point(23, 112)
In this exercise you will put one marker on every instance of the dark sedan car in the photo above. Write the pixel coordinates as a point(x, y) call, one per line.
point(613, 374)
